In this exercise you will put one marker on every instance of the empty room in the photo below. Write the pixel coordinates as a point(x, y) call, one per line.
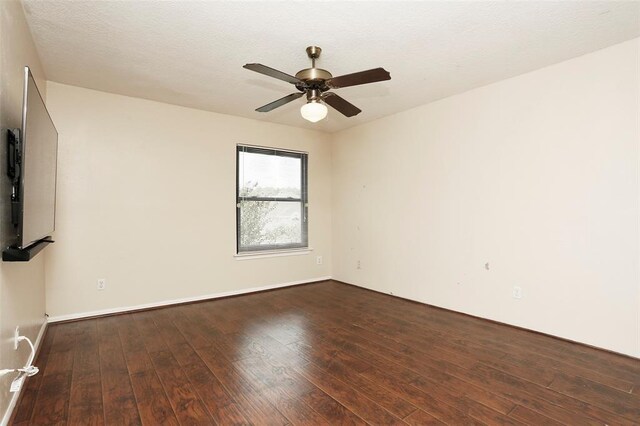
point(319, 212)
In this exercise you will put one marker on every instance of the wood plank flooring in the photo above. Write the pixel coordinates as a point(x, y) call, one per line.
point(325, 353)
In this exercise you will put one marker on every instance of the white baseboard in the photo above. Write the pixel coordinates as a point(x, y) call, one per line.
point(15, 396)
point(80, 315)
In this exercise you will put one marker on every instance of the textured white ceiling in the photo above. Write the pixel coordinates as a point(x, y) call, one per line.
point(191, 53)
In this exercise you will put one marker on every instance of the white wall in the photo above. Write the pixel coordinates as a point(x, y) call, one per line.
point(146, 199)
point(536, 175)
point(22, 292)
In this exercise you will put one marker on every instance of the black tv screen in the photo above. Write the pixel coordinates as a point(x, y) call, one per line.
point(37, 184)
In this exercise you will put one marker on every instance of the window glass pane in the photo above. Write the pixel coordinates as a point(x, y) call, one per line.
point(265, 223)
point(261, 175)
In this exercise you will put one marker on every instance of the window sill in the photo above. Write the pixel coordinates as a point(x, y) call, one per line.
point(272, 253)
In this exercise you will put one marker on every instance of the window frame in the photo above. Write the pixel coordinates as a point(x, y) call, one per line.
point(303, 200)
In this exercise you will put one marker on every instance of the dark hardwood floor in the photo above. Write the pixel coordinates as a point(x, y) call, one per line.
point(325, 353)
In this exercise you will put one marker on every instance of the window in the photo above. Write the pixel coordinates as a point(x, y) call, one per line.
point(271, 199)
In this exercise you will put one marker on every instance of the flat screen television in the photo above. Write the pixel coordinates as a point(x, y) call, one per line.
point(34, 155)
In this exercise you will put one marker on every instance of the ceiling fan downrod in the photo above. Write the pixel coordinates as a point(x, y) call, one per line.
point(313, 52)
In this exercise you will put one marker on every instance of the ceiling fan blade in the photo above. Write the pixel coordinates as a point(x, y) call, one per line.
point(263, 69)
point(362, 77)
point(275, 104)
point(342, 106)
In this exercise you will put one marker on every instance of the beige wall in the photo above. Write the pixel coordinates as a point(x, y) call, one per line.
point(22, 292)
point(146, 199)
point(536, 175)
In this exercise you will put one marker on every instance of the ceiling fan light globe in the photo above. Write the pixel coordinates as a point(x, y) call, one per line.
point(313, 111)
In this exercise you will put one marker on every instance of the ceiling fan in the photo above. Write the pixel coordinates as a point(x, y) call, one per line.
point(316, 83)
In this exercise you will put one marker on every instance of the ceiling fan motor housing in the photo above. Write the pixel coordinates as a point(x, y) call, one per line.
point(313, 78)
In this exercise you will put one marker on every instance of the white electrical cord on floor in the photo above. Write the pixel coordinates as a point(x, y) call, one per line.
point(33, 350)
point(27, 371)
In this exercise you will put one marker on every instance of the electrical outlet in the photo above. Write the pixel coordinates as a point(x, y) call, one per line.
point(319, 260)
point(358, 265)
point(517, 292)
point(102, 284)
point(16, 334)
